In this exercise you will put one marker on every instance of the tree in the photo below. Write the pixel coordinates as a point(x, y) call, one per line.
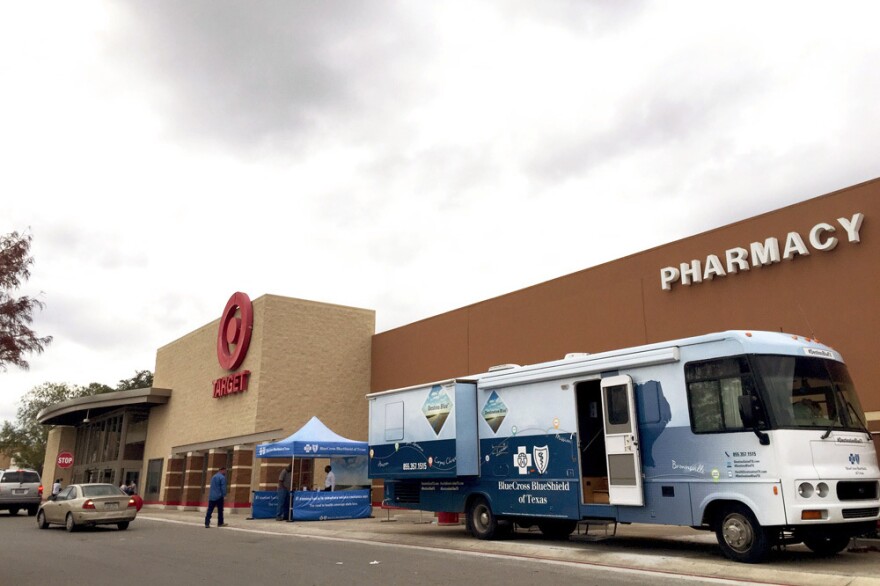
point(26, 441)
point(141, 380)
point(17, 339)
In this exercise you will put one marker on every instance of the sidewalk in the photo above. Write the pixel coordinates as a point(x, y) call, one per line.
point(658, 548)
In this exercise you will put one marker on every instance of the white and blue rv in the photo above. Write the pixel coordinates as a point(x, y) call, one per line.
point(758, 436)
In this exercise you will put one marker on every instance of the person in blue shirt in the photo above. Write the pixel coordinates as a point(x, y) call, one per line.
point(215, 498)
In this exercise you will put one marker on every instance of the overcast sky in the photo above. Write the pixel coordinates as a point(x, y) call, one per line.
point(407, 157)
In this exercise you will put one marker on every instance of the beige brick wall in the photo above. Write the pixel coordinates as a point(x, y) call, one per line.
point(316, 361)
point(306, 358)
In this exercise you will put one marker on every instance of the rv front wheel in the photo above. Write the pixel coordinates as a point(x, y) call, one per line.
point(740, 536)
point(481, 520)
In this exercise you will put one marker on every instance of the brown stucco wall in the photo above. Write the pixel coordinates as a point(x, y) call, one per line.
point(829, 295)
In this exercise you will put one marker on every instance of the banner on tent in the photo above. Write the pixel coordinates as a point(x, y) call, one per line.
point(325, 506)
point(264, 504)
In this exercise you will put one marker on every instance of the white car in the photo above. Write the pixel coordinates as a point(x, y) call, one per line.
point(86, 505)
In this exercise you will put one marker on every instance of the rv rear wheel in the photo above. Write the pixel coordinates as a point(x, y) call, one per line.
point(740, 536)
point(826, 545)
point(482, 522)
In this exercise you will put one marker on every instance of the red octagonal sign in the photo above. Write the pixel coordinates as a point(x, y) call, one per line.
point(65, 460)
point(234, 335)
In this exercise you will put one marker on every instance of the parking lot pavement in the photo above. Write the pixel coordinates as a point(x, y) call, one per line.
point(668, 549)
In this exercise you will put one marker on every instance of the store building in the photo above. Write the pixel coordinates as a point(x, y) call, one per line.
point(256, 374)
point(809, 269)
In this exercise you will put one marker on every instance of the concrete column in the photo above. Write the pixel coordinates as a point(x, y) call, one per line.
point(60, 439)
point(270, 469)
point(239, 476)
point(193, 482)
point(171, 494)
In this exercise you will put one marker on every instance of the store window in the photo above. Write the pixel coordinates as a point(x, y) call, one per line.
point(154, 479)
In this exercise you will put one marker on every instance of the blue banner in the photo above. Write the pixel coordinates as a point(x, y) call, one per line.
point(430, 459)
point(325, 506)
point(265, 504)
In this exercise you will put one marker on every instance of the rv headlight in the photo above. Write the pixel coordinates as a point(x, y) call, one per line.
point(806, 490)
point(822, 489)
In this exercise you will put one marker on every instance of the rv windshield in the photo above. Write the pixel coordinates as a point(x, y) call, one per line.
point(805, 392)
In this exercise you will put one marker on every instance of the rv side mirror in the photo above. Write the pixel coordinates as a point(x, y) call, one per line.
point(747, 410)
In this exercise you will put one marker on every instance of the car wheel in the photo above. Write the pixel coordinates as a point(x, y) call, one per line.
point(740, 536)
point(826, 545)
point(69, 523)
point(32, 510)
point(123, 525)
point(482, 522)
point(13, 510)
point(41, 520)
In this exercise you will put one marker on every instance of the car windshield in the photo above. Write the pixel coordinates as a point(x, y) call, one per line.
point(805, 392)
point(94, 490)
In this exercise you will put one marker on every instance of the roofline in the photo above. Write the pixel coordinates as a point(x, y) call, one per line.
point(145, 396)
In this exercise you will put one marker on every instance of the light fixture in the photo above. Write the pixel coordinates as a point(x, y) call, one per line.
point(86, 420)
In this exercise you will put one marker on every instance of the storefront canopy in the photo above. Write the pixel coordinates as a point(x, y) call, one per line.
point(313, 440)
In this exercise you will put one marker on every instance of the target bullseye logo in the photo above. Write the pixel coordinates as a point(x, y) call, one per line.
point(234, 335)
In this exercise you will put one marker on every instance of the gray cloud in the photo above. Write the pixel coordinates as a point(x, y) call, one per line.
point(63, 243)
point(263, 74)
point(672, 115)
point(593, 17)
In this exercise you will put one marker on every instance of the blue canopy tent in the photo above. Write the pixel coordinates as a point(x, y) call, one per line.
point(349, 460)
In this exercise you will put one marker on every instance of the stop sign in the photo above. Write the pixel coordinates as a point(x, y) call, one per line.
point(65, 460)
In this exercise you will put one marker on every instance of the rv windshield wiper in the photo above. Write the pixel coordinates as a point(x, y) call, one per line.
point(852, 410)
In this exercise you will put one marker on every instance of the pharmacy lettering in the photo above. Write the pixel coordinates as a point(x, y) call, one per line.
point(821, 238)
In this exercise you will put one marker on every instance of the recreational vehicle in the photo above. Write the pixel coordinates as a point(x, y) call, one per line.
point(757, 436)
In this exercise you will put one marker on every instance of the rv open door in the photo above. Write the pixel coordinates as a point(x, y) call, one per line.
point(622, 442)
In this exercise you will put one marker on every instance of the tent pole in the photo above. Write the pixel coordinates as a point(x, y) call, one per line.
point(292, 466)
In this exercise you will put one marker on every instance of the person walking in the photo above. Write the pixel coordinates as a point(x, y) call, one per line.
point(330, 481)
point(215, 498)
point(283, 512)
point(56, 488)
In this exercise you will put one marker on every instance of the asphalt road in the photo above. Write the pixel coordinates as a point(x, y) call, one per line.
point(155, 553)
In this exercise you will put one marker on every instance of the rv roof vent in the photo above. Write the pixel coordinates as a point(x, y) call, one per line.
point(571, 355)
point(498, 367)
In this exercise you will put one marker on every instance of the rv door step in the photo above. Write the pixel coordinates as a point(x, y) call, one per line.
point(584, 526)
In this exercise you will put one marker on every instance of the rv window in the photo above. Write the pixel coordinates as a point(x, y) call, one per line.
point(714, 388)
point(394, 421)
point(618, 407)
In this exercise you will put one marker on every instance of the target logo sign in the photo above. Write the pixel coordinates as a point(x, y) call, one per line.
point(233, 339)
point(234, 336)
